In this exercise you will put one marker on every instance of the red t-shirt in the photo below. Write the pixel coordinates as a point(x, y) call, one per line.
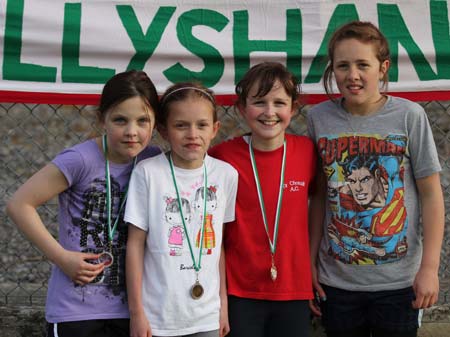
point(247, 248)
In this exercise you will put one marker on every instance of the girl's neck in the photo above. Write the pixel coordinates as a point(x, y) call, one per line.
point(272, 144)
point(185, 164)
point(365, 109)
point(109, 157)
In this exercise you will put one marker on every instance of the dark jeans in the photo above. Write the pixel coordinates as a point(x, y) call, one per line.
point(364, 314)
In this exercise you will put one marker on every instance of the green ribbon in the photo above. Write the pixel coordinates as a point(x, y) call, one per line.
point(273, 241)
point(112, 228)
point(196, 267)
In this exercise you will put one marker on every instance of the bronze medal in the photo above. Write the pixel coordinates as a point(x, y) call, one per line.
point(197, 290)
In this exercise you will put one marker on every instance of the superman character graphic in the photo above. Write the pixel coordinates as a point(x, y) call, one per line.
point(365, 174)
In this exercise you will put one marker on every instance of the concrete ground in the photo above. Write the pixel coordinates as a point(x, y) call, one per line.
point(434, 330)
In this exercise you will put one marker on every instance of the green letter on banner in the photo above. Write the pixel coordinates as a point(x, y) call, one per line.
point(144, 44)
point(13, 69)
point(394, 28)
point(243, 46)
point(441, 38)
point(214, 63)
point(341, 15)
point(71, 71)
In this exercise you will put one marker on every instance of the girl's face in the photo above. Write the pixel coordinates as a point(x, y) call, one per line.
point(128, 128)
point(358, 73)
point(189, 130)
point(268, 116)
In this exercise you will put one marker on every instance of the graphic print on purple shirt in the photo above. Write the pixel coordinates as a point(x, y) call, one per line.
point(93, 232)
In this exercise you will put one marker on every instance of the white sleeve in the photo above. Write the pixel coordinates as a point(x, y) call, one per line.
point(231, 196)
point(137, 207)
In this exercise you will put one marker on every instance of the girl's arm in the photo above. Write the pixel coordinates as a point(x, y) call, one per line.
point(316, 214)
point(426, 283)
point(40, 188)
point(139, 324)
point(224, 323)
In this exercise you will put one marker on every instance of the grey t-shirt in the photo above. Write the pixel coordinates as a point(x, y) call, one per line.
point(372, 238)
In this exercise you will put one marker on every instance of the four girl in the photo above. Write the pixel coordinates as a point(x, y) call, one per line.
point(380, 165)
point(369, 270)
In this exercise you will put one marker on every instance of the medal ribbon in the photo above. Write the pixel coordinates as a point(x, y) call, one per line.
point(112, 229)
point(196, 266)
point(272, 242)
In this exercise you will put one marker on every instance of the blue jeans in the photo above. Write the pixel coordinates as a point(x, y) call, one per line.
point(364, 314)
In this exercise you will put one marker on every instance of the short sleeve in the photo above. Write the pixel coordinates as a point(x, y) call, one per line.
point(231, 196)
point(136, 210)
point(70, 162)
point(421, 147)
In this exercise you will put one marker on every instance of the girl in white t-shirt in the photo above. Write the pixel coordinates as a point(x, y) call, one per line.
point(177, 204)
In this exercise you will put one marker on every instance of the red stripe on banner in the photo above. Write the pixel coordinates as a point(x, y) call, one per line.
point(48, 98)
point(227, 100)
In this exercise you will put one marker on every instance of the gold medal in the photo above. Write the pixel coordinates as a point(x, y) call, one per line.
point(273, 240)
point(197, 290)
point(273, 270)
point(273, 273)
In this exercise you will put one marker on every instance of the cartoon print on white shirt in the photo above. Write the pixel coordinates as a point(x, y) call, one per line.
point(173, 218)
point(209, 236)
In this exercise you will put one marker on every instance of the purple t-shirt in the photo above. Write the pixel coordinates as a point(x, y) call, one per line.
point(83, 227)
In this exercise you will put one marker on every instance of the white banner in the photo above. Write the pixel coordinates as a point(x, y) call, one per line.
point(73, 47)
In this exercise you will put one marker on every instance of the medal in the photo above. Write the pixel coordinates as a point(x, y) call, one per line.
point(273, 271)
point(106, 257)
point(272, 241)
point(196, 290)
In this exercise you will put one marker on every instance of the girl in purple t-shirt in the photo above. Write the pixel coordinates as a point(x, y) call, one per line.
point(86, 293)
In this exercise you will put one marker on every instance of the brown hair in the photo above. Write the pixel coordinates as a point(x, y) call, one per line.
point(125, 85)
point(365, 32)
point(264, 75)
point(182, 91)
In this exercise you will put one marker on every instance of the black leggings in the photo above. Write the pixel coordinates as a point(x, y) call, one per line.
point(90, 328)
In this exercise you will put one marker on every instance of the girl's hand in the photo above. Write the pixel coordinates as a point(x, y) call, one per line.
point(426, 288)
point(319, 293)
point(224, 324)
point(76, 265)
point(139, 326)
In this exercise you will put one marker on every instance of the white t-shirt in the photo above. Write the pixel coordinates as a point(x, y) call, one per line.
point(168, 275)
